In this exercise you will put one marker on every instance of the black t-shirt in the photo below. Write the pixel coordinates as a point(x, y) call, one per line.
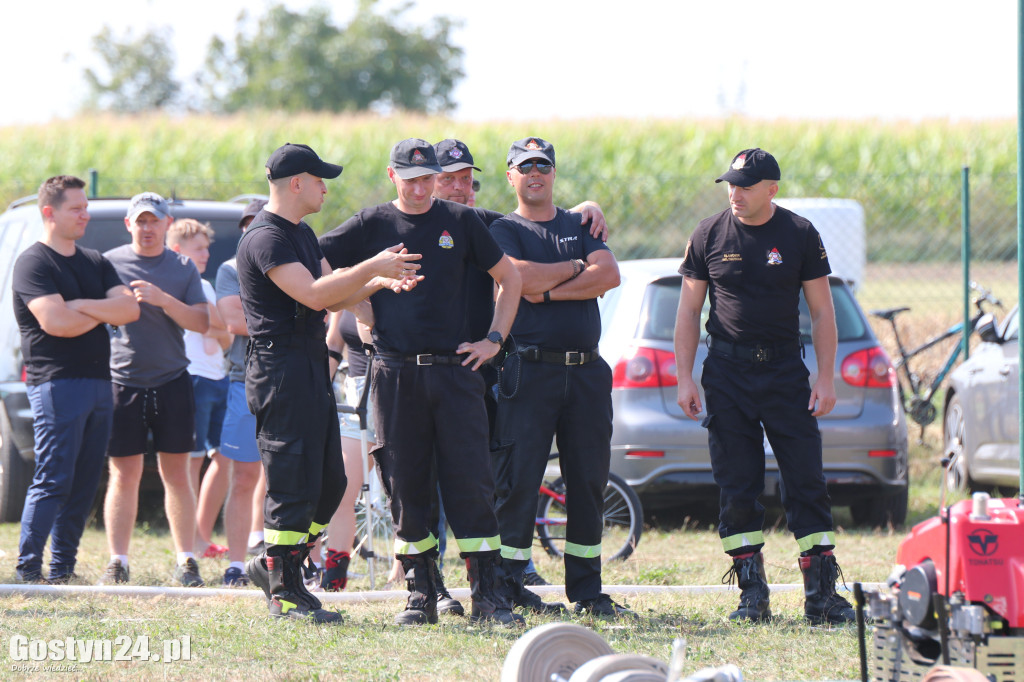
point(269, 242)
point(755, 274)
point(480, 289)
point(451, 237)
point(41, 271)
point(559, 325)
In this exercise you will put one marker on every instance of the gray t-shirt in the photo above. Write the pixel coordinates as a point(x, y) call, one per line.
point(227, 285)
point(151, 351)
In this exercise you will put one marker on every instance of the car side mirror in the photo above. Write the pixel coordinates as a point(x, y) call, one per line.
point(986, 329)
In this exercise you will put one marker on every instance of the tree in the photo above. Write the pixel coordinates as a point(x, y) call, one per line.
point(140, 72)
point(303, 61)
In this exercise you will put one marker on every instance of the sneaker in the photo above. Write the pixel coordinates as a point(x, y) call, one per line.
point(31, 575)
point(61, 578)
point(602, 606)
point(235, 577)
point(257, 549)
point(188, 574)
point(115, 574)
point(533, 579)
point(334, 577)
point(215, 552)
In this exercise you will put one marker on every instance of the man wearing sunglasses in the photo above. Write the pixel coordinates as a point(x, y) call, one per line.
point(554, 382)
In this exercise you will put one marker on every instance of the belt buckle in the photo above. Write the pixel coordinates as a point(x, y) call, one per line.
point(761, 354)
point(570, 360)
point(425, 359)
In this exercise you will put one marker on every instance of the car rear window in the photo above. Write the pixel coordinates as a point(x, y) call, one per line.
point(658, 317)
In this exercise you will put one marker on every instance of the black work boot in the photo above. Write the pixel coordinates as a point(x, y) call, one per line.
point(286, 594)
point(753, 583)
point(421, 607)
point(445, 602)
point(303, 556)
point(821, 603)
point(490, 587)
point(530, 600)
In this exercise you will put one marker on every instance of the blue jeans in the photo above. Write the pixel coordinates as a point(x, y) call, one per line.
point(71, 423)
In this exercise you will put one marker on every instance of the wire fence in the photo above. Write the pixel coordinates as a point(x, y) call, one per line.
point(908, 238)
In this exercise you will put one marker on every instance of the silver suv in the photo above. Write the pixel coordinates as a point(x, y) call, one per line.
point(20, 226)
point(663, 454)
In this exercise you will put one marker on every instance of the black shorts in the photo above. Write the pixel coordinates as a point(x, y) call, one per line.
point(167, 411)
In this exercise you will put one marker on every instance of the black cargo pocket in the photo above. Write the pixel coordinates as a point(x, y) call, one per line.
point(501, 463)
point(282, 458)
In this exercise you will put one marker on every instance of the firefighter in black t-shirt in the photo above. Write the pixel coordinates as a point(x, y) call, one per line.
point(285, 285)
point(753, 260)
point(554, 384)
point(425, 387)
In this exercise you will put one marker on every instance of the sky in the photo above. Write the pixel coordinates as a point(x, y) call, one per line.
point(893, 59)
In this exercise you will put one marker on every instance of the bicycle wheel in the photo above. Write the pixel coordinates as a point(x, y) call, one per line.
point(623, 519)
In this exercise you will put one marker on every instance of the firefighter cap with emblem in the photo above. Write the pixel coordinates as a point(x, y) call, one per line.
point(414, 158)
point(530, 148)
point(750, 167)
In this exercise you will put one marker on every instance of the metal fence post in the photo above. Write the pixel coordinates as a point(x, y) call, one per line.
point(965, 256)
point(94, 183)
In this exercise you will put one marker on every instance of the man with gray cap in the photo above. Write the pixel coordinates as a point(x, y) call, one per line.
point(754, 259)
point(285, 284)
point(152, 386)
point(427, 393)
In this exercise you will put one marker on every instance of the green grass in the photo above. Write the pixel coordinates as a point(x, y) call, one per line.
point(235, 639)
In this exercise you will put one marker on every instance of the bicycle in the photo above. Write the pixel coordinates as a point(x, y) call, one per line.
point(623, 515)
point(915, 394)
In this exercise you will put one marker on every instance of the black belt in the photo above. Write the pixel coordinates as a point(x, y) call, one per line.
point(559, 357)
point(425, 359)
point(758, 352)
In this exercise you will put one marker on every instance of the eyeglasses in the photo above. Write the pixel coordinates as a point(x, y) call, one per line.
point(542, 167)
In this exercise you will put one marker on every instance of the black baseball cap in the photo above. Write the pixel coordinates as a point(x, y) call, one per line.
point(292, 159)
point(250, 210)
point(530, 148)
point(453, 155)
point(413, 158)
point(750, 167)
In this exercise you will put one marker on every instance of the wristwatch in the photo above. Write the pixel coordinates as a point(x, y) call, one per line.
point(495, 337)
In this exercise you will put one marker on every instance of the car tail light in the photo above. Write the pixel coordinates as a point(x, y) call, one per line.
point(881, 453)
point(641, 367)
point(644, 454)
point(868, 368)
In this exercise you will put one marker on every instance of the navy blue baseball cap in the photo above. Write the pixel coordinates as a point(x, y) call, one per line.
point(750, 167)
point(292, 159)
point(453, 155)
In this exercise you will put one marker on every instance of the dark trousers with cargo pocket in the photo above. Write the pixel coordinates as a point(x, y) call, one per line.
point(288, 389)
point(431, 418)
point(740, 396)
point(571, 405)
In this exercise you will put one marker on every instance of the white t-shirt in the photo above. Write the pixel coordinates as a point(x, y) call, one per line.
point(205, 356)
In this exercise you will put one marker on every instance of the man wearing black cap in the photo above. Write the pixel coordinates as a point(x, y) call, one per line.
point(285, 285)
point(554, 383)
point(754, 259)
point(426, 390)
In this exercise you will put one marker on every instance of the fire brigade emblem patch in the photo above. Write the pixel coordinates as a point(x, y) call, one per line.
point(446, 241)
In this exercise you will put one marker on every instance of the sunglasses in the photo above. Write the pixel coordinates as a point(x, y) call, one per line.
point(542, 167)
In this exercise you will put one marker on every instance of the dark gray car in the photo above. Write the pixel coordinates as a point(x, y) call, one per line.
point(981, 428)
point(663, 453)
point(20, 226)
